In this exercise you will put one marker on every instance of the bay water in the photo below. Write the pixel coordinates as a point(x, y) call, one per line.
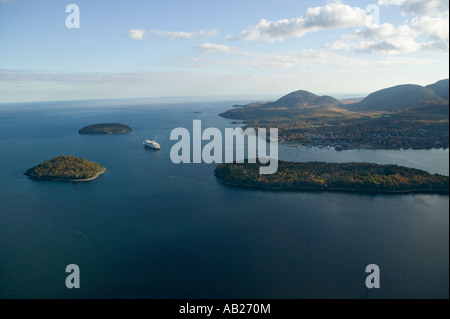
point(153, 229)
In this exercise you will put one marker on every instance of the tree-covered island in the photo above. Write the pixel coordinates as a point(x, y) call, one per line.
point(66, 168)
point(106, 128)
point(320, 176)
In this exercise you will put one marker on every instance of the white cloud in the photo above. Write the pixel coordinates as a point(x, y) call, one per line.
point(214, 48)
point(404, 61)
point(437, 27)
point(300, 59)
point(333, 15)
point(175, 34)
point(376, 32)
point(400, 39)
point(384, 39)
point(185, 35)
point(419, 7)
point(136, 34)
point(139, 34)
point(423, 33)
point(389, 46)
point(208, 33)
point(258, 60)
point(435, 46)
point(431, 21)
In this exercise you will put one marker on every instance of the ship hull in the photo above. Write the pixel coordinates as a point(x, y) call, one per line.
point(152, 147)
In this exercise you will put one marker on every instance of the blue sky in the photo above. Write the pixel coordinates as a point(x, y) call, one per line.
point(135, 49)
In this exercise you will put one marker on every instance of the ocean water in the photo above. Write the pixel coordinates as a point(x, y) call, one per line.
point(152, 229)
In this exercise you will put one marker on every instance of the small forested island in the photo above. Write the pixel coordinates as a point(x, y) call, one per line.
point(106, 128)
point(66, 168)
point(321, 176)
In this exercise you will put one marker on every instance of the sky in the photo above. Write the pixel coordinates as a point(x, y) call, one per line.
point(228, 48)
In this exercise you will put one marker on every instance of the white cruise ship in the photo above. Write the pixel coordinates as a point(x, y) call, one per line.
point(152, 144)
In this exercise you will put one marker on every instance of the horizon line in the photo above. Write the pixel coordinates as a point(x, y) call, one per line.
point(191, 99)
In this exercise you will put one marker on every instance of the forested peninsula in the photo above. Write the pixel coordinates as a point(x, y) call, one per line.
point(321, 176)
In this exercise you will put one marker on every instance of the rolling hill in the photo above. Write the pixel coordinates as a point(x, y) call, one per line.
point(298, 102)
point(404, 116)
point(297, 99)
point(392, 99)
point(402, 97)
point(325, 101)
point(440, 88)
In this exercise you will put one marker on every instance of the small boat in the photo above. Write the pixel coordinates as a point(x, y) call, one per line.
point(152, 144)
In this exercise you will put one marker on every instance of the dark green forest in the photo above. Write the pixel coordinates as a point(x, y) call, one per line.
point(65, 168)
point(360, 177)
point(107, 128)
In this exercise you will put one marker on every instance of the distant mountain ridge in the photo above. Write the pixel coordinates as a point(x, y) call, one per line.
point(402, 97)
point(300, 99)
point(297, 99)
point(403, 116)
point(325, 101)
point(392, 99)
point(440, 88)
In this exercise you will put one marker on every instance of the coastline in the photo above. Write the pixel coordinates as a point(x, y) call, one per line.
point(88, 179)
point(72, 180)
point(333, 145)
point(333, 190)
point(294, 144)
point(106, 133)
point(105, 129)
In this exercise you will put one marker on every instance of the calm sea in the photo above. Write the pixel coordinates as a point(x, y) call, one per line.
point(152, 229)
